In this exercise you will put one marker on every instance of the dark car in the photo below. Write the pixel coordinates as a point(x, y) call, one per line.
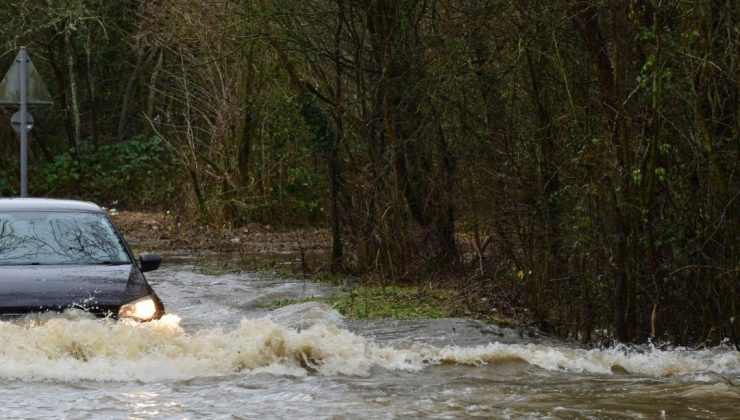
point(61, 254)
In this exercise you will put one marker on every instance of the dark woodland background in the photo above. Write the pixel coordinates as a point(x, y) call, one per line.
point(580, 157)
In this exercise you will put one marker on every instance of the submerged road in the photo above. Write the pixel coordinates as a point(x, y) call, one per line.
point(218, 354)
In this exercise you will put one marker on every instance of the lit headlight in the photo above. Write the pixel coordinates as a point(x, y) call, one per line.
point(142, 309)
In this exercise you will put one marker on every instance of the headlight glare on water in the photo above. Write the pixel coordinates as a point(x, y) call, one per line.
point(142, 309)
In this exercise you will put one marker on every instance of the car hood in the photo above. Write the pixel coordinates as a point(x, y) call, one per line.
point(61, 286)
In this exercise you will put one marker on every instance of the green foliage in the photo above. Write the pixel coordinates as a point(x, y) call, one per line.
point(9, 177)
point(136, 172)
point(323, 135)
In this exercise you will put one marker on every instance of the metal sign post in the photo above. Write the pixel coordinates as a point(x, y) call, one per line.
point(22, 86)
point(23, 56)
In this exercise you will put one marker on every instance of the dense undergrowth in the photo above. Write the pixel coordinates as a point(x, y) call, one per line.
point(136, 173)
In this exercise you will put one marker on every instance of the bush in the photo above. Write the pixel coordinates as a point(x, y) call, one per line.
point(136, 172)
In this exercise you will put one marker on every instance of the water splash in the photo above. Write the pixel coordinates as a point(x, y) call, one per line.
point(77, 347)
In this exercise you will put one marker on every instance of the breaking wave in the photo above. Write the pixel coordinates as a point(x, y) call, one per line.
point(76, 347)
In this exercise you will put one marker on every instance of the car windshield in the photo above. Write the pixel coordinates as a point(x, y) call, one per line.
point(51, 238)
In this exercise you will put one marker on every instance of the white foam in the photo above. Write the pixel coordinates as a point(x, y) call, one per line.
point(80, 348)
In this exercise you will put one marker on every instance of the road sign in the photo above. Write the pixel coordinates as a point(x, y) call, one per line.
point(10, 87)
point(15, 121)
point(22, 86)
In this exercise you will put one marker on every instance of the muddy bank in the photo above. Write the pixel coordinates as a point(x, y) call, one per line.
point(303, 253)
point(162, 231)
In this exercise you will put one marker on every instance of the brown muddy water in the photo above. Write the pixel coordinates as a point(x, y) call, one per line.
point(219, 355)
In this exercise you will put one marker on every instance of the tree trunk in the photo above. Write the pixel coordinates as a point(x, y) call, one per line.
point(95, 135)
point(151, 98)
point(625, 285)
point(333, 164)
point(75, 108)
point(128, 97)
point(62, 87)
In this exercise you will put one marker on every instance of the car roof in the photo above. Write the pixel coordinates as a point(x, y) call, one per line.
point(48, 204)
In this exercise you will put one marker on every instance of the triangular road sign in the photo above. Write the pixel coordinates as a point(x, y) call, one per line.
point(10, 88)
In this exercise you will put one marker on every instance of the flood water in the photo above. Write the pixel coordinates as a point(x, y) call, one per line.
point(218, 354)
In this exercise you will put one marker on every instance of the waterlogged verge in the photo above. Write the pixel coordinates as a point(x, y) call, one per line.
point(377, 302)
point(76, 347)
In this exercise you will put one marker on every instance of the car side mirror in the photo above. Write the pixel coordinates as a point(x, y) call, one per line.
point(149, 262)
